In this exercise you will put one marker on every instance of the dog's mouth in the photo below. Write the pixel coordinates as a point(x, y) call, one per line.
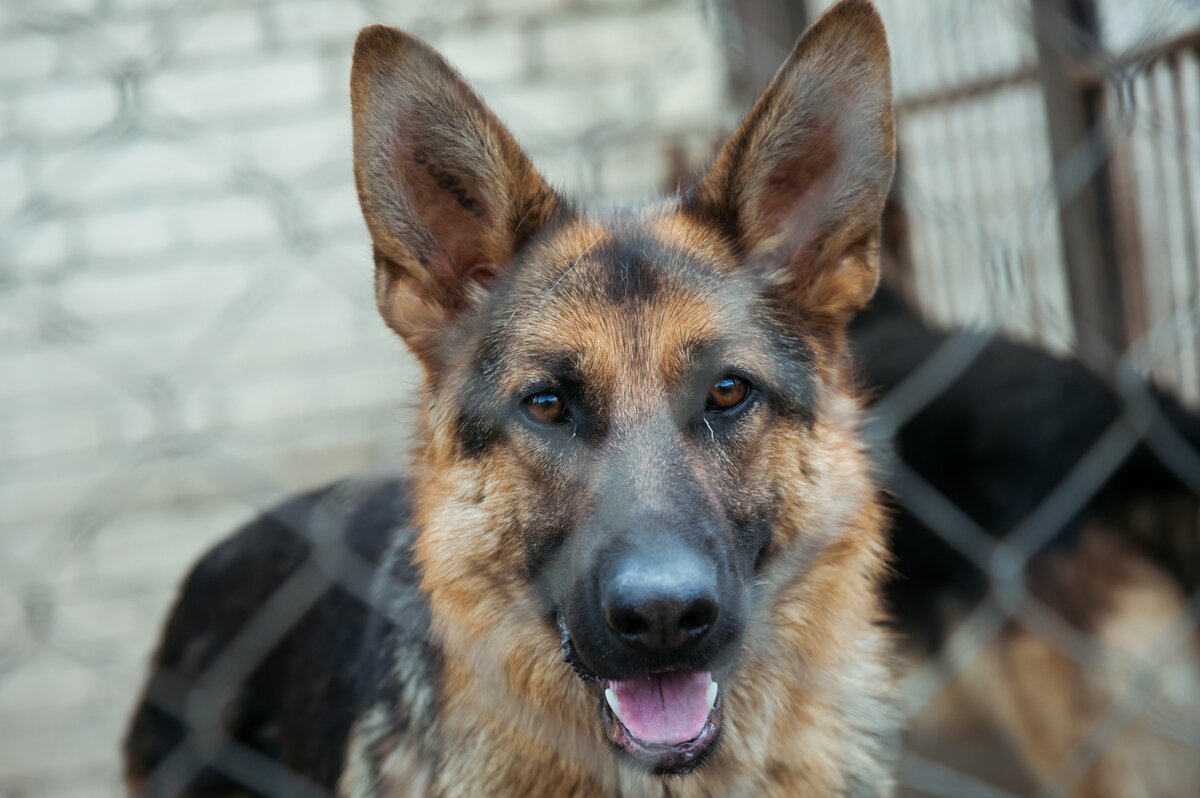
point(669, 721)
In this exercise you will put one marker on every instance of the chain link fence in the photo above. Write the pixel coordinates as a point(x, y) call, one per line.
point(188, 335)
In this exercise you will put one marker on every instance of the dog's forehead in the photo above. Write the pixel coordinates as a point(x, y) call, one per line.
point(623, 290)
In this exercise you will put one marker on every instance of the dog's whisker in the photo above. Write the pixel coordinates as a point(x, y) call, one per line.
point(554, 287)
point(545, 295)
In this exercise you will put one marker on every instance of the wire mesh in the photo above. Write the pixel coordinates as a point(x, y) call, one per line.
point(189, 332)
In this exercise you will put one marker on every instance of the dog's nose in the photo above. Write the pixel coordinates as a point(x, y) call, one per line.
point(661, 605)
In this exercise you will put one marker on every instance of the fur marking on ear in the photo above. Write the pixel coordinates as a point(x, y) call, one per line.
point(448, 181)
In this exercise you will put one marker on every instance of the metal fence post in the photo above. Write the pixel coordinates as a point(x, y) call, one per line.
point(1067, 33)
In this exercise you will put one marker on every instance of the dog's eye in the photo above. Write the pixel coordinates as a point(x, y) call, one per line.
point(546, 408)
point(726, 394)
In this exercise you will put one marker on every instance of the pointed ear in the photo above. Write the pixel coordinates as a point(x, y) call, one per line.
point(800, 186)
point(447, 194)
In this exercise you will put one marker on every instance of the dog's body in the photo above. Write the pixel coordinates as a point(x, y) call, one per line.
point(643, 549)
point(298, 705)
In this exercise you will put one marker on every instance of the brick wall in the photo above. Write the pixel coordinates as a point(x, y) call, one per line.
point(186, 325)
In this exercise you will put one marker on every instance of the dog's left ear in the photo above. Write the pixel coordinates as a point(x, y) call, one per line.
point(800, 186)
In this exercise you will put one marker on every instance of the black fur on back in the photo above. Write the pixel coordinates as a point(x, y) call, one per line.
point(297, 705)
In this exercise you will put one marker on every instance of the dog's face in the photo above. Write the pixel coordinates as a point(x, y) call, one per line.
point(627, 413)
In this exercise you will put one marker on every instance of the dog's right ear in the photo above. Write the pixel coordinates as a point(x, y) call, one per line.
point(447, 194)
point(800, 185)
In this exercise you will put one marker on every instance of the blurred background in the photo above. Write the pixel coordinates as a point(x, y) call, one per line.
point(187, 326)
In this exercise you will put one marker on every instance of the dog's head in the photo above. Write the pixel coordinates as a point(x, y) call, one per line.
point(627, 417)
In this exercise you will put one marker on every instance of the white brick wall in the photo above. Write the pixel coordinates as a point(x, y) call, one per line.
point(181, 253)
point(235, 88)
point(62, 110)
point(217, 33)
point(28, 57)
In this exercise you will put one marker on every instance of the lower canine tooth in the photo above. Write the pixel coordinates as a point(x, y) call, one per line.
point(611, 697)
point(710, 696)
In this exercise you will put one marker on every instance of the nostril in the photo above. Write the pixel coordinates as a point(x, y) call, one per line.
point(700, 615)
point(663, 624)
point(627, 623)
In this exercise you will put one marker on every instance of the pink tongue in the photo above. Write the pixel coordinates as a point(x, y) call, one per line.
point(665, 708)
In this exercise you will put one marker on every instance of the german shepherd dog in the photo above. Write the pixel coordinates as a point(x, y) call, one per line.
point(639, 551)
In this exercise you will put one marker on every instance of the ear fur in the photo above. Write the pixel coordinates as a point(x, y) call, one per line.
point(447, 194)
point(800, 186)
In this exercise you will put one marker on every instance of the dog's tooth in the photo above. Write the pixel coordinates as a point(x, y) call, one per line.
point(710, 695)
point(611, 697)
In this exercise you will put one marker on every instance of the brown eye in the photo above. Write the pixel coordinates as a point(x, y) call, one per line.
point(546, 408)
point(726, 394)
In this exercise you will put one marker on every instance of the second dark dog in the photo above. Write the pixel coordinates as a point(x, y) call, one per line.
point(996, 442)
